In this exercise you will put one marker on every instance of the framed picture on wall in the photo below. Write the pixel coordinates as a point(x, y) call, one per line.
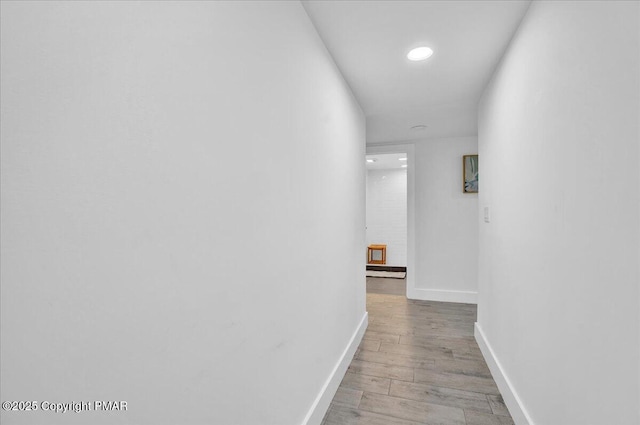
point(470, 173)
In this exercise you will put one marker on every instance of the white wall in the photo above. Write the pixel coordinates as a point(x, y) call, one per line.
point(387, 213)
point(446, 222)
point(168, 211)
point(558, 142)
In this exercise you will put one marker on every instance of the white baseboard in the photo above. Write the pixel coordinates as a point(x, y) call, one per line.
point(509, 394)
point(466, 297)
point(321, 403)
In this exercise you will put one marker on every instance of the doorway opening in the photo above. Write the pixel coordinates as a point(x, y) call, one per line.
point(386, 223)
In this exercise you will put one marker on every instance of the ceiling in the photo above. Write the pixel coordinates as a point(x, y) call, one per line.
point(387, 161)
point(369, 41)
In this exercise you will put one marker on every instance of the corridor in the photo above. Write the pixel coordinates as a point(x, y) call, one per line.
point(189, 190)
point(418, 363)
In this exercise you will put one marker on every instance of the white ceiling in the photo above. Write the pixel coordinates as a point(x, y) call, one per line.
point(369, 41)
point(387, 161)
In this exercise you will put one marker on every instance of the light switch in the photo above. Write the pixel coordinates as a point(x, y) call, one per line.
point(486, 215)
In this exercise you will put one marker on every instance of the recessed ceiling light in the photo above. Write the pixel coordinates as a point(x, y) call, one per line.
point(419, 53)
point(420, 127)
point(402, 159)
point(404, 165)
point(371, 160)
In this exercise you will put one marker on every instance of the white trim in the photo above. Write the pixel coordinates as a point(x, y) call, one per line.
point(511, 399)
point(323, 400)
point(445, 295)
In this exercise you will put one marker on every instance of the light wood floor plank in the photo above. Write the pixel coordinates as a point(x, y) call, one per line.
point(382, 337)
point(451, 343)
point(474, 417)
point(421, 412)
point(464, 367)
point(340, 415)
point(440, 395)
point(382, 370)
point(430, 353)
point(418, 363)
point(347, 397)
point(373, 384)
point(497, 405)
point(369, 345)
point(456, 380)
point(396, 359)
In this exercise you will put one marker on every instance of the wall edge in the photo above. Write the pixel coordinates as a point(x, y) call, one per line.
point(443, 295)
point(511, 399)
point(327, 392)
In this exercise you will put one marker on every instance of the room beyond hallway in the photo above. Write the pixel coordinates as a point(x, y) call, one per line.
point(418, 363)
